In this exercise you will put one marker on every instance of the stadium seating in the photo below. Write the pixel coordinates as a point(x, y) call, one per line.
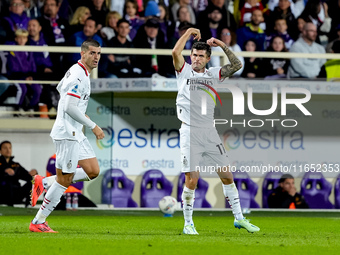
point(117, 189)
point(337, 193)
point(316, 190)
point(270, 182)
point(247, 190)
point(200, 192)
point(154, 187)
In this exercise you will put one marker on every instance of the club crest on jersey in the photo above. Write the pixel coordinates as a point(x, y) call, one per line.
point(69, 165)
point(75, 89)
point(185, 161)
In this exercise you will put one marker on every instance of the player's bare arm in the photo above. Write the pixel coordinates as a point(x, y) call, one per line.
point(177, 56)
point(234, 65)
point(98, 132)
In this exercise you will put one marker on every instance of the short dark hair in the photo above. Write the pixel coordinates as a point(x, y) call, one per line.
point(89, 42)
point(3, 142)
point(91, 18)
point(122, 21)
point(56, 1)
point(202, 46)
point(285, 176)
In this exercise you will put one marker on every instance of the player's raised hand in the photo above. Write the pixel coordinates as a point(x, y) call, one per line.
point(213, 42)
point(196, 33)
point(98, 132)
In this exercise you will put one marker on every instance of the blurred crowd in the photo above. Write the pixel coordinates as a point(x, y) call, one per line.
point(306, 26)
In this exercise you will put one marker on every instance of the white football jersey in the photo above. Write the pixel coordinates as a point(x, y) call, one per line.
point(76, 83)
point(194, 89)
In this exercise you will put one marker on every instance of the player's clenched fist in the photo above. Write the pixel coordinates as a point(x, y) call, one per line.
point(196, 33)
point(98, 132)
point(213, 42)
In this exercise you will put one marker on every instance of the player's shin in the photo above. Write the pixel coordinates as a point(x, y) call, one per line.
point(51, 200)
point(188, 198)
point(231, 194)
point(48, 181)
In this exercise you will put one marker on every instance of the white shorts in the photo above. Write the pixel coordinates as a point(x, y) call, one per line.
point(69, 152)
point(201, 148)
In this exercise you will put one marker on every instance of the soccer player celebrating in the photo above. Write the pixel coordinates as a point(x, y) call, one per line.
point(199, 140)
point(72, 147)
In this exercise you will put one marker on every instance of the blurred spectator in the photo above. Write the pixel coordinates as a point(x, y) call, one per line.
point(21, 66)
point(183, 15)
point(31, 9)
point(110, 28)
point(280, 30)
point(247, 9)
point(17, 19)
point(99, 10)
point(150, 37)
point(227, 18)
point(131, 9)
point(41, 59)
point(10, 173)
point(165, 25)
point(122, 65)
point(306, 67)
point(43, 63)
point(183, 3)
point(283, 11)
point(253, 31)
point(89, 32)
point(211, 28)
point(78, 20)
point(275, 68)
point(300, 24)
point(330, 45)
point(285, 195)
point(229, 38)
point(297, 6)
point(332, 67)
point(317, 13)
point(251, 65)
point(333, 11)
point(56, 31)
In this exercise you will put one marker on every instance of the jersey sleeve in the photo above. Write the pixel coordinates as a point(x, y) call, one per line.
point(75, 89)
point(181, 73)
point(216, 72)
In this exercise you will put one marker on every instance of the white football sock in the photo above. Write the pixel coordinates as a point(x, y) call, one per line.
point(48, 181)
point(51, 200)
point(231, 194)
point(188, 198)
point(80, 176)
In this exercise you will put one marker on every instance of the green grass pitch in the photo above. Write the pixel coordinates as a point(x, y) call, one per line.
point(145, 232)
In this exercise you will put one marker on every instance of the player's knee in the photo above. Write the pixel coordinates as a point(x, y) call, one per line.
point(93, 174)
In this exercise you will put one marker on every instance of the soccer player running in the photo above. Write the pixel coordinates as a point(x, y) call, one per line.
point(199, 140)
point(72, 147)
